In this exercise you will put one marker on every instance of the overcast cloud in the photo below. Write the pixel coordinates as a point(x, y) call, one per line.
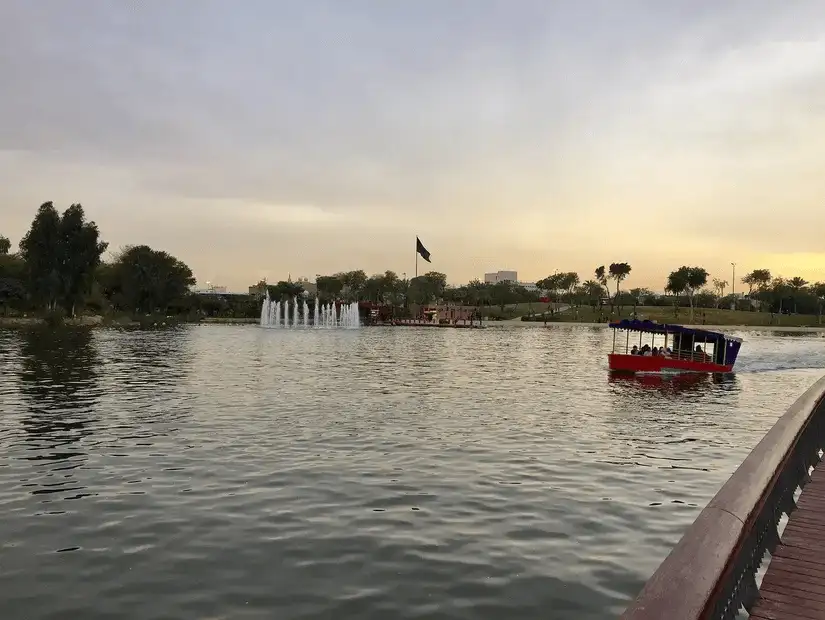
point(262, 138)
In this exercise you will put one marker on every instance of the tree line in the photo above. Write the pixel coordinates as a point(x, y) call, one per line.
point(59, 269)
point(389, 289)
point(765, 292)
point(691, 286)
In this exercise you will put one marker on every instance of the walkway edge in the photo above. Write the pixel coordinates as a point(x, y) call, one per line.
point(711, 571)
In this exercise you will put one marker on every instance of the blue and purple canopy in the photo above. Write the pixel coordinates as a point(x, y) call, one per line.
point(652, 327)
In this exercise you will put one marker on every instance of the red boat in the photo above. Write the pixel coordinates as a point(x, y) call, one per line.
point(679, 349)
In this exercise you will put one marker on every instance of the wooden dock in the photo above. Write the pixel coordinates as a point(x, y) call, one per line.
point(712, 571)
point(794, 585)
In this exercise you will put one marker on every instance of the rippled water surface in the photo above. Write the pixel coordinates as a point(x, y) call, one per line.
point(235, 472)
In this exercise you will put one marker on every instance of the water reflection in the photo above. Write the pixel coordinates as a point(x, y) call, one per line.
point(677, 384)
point(505, 478)
point(799, 334)
point(60, 383)
point(150, 356)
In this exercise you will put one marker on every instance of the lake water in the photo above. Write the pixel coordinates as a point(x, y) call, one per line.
point(236, 472)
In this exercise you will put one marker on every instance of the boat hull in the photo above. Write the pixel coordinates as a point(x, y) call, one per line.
point(640, 364)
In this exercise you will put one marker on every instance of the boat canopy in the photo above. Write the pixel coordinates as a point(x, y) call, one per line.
point(652, 327)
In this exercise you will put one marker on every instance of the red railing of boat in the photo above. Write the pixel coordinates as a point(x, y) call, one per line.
point(656, 363)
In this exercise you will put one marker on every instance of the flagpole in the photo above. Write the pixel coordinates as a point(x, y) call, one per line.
point(416, 257)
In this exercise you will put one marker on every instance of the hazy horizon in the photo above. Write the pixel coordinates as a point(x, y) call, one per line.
point(262, 139)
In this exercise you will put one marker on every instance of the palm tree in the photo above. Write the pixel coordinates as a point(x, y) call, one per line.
point(719, 286)
point(676, 285)
point(595, 291)
point(796, 285)
point(568, 282)
point(601, 278)
point(687, 280)
point(618, 272)
point(758, 279)
point(818, 291)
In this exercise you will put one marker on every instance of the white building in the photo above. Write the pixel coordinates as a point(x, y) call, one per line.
point(501, 276)
point(211, 289)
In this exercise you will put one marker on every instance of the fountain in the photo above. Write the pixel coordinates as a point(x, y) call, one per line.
point(294, 314)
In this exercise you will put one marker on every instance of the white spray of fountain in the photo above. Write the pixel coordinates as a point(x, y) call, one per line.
point(294, 314)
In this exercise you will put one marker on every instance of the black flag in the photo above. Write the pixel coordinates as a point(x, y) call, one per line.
point(419, 247)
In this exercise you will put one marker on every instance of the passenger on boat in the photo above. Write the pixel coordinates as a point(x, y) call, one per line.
point(646, 351)
point(699, 354)
point(634, 350)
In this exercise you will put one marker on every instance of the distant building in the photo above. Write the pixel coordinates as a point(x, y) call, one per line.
point(211, 289)
point(259, 290)
point(529, 286)
point(310, 288)
point(501, 276)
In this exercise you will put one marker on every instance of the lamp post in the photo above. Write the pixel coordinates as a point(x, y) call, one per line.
point(733, 287)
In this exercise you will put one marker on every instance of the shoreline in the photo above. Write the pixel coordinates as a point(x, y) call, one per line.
point(97, 321)
point(713, 328)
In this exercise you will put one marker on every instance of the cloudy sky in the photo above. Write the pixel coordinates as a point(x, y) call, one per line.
point(262, 137)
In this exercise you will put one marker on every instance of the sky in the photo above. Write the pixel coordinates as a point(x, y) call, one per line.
point(267, 138)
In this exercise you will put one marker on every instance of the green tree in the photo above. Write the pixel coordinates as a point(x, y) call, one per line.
point(676, 286)
point(687, 280)
point(639, 296)
point(456, 295)
point(382, 288)
point(758, 280)
point(391, 288)
point(552, 284)
point(12, 281)
point(259, 290)
point(285, 289)
point(719, 287)
point(706, 298)
point(145, 281)
point(213, 305)
point(775, 294)
point(61, 254)
point(818, 291)
point(618, 273)
point(436, 283)
point(476, 292)
point(594, 291)
point(5, 245)
point(523, 295)
point(601, 277)
point(419, 291)
point(353, 283)
point(502, 293)
point(797, 286)
point(427, 288)
point(39, 248)
point(80, 249)
point(329, 287)
point(374, 288)
point(568, 281)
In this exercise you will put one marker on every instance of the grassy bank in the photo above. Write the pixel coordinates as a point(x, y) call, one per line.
point(90, 321)
point(701, 316)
